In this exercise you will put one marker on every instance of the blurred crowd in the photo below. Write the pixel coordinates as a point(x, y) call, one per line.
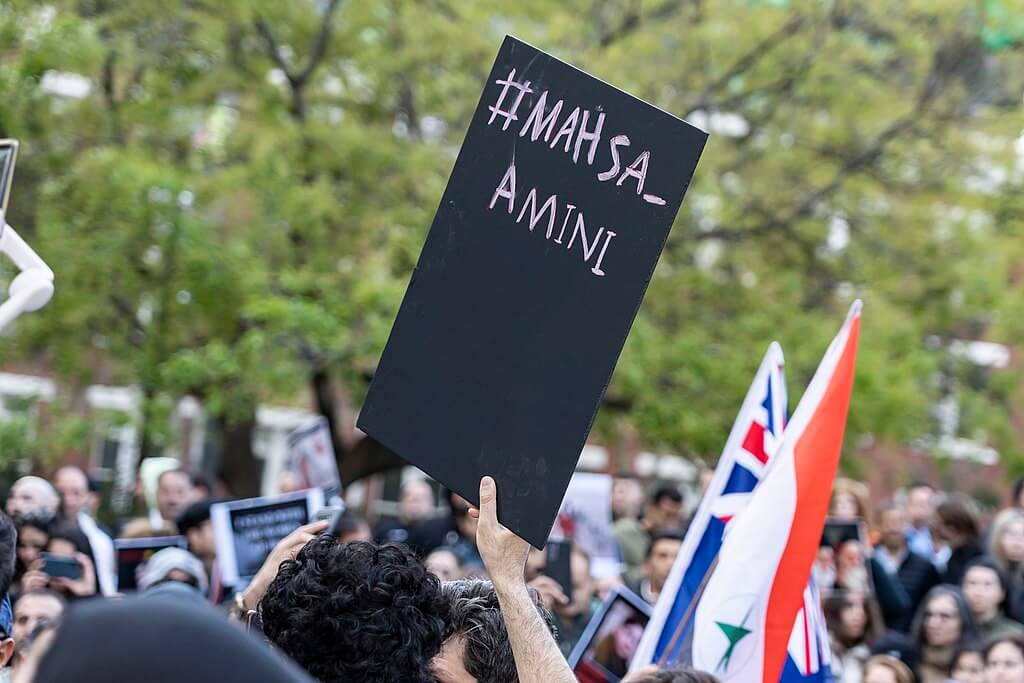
point(923, 586)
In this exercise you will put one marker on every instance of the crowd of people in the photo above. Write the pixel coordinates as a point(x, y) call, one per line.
point(922, 587)
point(933, 583)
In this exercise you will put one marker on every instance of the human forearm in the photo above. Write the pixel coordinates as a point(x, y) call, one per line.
point(538, 659)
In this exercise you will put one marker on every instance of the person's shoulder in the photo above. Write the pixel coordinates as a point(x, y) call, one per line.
point(626, 525)
point(1005, 626)
point(917, 561)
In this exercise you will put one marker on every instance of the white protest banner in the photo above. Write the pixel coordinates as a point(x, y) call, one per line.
point(586, 518)
point(245, 531)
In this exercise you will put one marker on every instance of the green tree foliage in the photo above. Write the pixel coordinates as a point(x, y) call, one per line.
point(235, 206)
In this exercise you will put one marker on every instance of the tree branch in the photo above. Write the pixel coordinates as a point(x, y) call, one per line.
point(297, 80)
point(109, 88)
point(943, 68)
point(749, 59)
point(323, 39)
point(633, 20)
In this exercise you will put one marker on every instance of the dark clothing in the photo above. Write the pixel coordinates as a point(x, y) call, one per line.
point(158, 641)
point(391, 531)
point(424, 536)
point(918, 576)
point(570, 632)
point(958, 561)
point(892, 597)
point(1015, 602)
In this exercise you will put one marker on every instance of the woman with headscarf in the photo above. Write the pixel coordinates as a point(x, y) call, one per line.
point(157, 641)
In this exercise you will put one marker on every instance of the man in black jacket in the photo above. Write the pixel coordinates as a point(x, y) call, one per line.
point(916, 574)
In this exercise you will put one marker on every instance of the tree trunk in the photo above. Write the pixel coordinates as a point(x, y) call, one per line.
point(327, 405)
point(237, 466)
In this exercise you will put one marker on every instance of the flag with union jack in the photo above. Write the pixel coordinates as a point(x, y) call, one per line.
point(753, 440)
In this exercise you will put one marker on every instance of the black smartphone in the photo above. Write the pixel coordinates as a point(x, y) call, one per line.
point(62, 566)
point(558, 565)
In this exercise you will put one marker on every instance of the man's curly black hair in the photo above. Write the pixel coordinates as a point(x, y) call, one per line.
point(357, 612)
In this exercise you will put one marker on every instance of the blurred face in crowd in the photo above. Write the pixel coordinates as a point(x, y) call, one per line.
point(32, 496)
point(854, 617)
point(1012, 542)
point(920, 506)
point(983, 592)
point(444, 565)
point(659, 563)
point(941, 621)
point(969, 668)
point(416, 501)
point(173, 494)
point(1005, 664)
point(893, 527)
point(73, 488)
point(201, 542)
point(844, 506)
point(665, 514)
point(627, 497)
point(360, 533)
point(31, 542)
point(33, 608)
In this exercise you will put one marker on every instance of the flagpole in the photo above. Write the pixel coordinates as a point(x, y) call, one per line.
point(690, 609)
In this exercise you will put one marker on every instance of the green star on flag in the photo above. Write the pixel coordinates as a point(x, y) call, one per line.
point(735, 634)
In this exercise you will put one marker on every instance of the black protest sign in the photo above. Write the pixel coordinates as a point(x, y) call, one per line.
point(245, 531)
point(546, 237)
point(133, 553)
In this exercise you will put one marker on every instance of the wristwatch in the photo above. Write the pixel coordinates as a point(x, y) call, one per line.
point(238, 609)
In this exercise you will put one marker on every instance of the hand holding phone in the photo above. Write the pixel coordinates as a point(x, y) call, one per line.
point(61, 566)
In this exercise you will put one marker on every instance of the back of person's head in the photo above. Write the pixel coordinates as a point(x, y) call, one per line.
point(901, 673)
point(476, 632)
point(666, 492)
point(112, 641)
point(173, 565)
point(957, 515)
point(8, 552)
point(680, 675)
point(356, 612)
point(194, 515)
point(898, 646)
point(352, 527)
point(32, 495)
